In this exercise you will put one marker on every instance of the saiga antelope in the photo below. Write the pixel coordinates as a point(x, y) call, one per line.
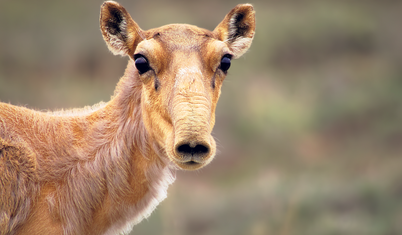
point(100, 170)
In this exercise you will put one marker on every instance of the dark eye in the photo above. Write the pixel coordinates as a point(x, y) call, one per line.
point(141, 63)
point(225, 63)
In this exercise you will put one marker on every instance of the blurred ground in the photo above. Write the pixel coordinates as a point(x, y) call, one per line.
point(308, 125)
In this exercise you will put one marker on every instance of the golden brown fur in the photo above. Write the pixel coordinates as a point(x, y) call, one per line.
point(100, 170)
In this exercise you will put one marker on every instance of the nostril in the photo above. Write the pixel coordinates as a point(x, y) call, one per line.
point(198, 150)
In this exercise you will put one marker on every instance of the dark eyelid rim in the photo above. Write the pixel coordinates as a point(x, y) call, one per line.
point(226, 55)
point(230, 56)
point(138, 55)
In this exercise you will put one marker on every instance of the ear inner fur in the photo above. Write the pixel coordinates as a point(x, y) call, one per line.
point(237, 29)
point(119, 30)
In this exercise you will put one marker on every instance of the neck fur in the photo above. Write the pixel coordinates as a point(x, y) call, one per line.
point(113, 160)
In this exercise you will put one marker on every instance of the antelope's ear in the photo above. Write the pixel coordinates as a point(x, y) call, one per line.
point(119, 30)
point(237, 29)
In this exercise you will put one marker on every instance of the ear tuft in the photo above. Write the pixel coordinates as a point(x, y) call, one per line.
point(119, 30)
point(237, 29)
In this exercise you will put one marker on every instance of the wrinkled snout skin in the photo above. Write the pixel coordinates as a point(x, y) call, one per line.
point(184, 101)
point(192, 112)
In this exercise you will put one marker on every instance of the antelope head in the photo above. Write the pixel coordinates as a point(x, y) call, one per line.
point(181, 68)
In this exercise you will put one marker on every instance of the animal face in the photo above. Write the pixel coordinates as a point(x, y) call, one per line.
point(181, 68)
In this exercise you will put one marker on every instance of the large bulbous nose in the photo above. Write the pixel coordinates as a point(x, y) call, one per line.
point(193, 152)
point(192, 145)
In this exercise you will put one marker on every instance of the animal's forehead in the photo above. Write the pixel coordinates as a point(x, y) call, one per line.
point(180, 35)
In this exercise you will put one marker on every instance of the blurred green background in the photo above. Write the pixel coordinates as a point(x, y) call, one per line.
point(308, 125)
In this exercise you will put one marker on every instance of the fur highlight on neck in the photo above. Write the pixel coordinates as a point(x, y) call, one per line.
point(96, 155)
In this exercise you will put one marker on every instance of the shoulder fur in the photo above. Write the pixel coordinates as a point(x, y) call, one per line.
point(19, 185)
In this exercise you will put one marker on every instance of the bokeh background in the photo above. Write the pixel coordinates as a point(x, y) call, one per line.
point(309, 124)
